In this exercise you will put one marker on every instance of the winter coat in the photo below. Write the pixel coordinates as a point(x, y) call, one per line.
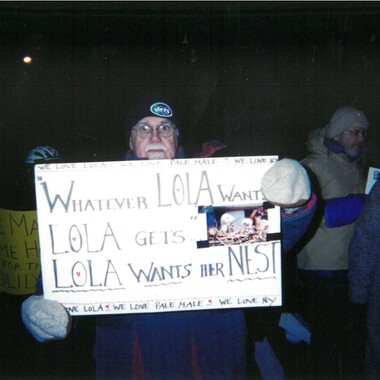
point(364, 276)
point(336, 178)
point(364, 253)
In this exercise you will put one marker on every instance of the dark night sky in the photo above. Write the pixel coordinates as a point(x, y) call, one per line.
point(255, 75)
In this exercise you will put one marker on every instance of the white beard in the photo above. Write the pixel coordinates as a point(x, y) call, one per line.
point(156, 155)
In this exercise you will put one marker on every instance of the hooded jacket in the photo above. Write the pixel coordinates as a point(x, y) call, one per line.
point(334, 176)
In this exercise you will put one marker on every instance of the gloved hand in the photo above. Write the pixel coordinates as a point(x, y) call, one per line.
point(286, 184)
point(45, 319)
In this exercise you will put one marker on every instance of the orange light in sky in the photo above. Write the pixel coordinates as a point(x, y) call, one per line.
point(27, 60)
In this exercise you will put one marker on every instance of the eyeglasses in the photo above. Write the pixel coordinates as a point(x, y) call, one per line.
point(357, 132)
point(145, 131)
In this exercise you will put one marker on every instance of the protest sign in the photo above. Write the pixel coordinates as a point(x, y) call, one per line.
point(158, 235)
point(19, 252)
point(373, 176)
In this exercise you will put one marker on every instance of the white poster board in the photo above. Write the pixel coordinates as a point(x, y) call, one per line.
point(158, 235)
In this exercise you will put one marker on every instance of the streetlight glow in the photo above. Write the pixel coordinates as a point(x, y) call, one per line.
point(28, 60)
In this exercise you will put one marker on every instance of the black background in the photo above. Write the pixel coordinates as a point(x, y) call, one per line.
point(256, 75)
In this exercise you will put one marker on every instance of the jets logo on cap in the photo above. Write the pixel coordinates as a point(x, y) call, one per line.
point(161, 109)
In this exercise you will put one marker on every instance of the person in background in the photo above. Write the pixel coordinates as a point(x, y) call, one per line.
point(334, 167)
point(17, 184)
point(175, 345)
point(364, 275)
point(42, 154)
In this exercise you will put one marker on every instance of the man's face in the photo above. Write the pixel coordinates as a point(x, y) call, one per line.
point(352, 140)
point(154, 138)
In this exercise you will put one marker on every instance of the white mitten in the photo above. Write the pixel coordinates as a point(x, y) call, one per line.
point(286, 184)
point(45, 319)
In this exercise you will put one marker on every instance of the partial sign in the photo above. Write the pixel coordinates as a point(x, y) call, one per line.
point(373, 177)
point(19, 252)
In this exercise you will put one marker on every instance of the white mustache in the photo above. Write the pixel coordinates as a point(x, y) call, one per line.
point(155, 146)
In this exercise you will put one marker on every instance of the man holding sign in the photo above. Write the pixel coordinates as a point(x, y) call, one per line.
point(176, 345)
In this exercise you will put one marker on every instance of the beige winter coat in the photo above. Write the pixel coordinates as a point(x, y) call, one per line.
point(337, 177)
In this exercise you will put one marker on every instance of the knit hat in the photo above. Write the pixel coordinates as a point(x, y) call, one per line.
point(286, 184)
point(343, 117)
point(149, 108)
